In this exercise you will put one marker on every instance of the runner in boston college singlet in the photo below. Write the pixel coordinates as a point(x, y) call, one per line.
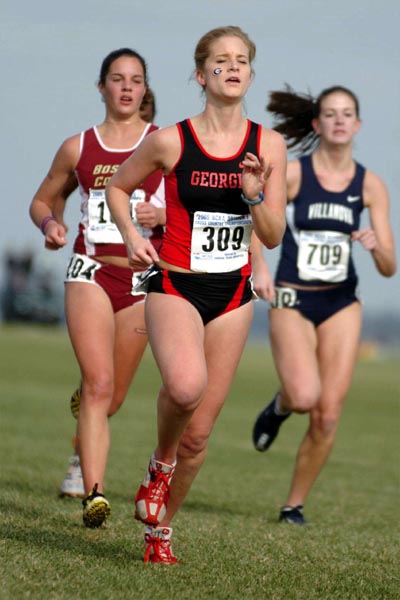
point(98, 236)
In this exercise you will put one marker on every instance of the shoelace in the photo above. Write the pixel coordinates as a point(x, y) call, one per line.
point(161, 548)
point(159, 485)
point(93, 494)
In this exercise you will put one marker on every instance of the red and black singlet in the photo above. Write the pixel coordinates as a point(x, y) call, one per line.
point(208, 224)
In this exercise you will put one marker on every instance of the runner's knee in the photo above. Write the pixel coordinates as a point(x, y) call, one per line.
point(192, 444)
point(97, 390)
point(303, 398)
point(324, 423)
point(185, 392)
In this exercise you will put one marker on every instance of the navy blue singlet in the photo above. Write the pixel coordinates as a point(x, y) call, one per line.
point(316, 215)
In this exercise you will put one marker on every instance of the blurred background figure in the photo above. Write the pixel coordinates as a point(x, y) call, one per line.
point(29, 292)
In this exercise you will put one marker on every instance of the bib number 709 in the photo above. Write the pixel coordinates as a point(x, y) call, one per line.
point(324, 254)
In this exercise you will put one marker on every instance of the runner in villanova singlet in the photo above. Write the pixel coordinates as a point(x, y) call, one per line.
point(315, 315)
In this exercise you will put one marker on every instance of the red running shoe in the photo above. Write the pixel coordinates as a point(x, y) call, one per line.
point(158, 545)
point(152, 498)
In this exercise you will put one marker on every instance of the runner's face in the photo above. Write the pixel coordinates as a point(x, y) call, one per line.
point(227, 70)
point(337, 122)
point(124, 86)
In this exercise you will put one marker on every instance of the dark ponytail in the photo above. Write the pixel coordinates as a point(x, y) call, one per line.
point(294, 113)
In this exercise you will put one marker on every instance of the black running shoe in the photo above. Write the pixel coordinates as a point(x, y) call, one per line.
point(267, 426)
point(290, 514)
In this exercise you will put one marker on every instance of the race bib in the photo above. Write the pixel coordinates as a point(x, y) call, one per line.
point(140, 281)
point(285, 297)
point(101, 228)
point(81, 268)
point(323, 255)
point(220, 242)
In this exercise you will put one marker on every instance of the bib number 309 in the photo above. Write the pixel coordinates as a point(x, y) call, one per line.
point(220, 242)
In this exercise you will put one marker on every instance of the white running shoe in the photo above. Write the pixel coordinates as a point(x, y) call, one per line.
point(73, 482)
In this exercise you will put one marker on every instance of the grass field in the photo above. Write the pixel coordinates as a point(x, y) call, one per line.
point(227, 535)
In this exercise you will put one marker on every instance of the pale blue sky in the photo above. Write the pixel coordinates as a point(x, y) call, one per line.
point(51, 54)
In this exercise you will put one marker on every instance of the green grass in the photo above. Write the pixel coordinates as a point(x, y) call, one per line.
point(227, 535)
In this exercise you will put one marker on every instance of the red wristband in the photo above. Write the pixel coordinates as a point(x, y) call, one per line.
point(44, 223)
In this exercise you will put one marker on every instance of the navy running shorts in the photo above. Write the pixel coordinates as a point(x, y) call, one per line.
point(316, 305)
